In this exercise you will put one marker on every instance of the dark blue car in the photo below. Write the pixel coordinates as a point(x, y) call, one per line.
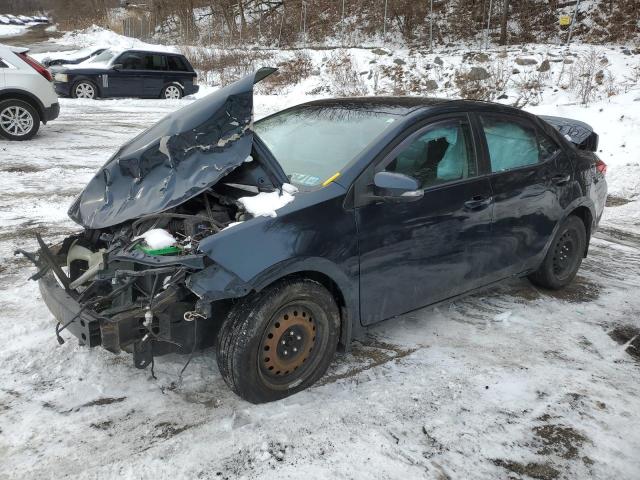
point(194, 234)
point(128, 73)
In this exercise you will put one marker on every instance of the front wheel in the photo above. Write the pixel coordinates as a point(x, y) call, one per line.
point(18, 120)
point(172, 92)
point(84, 89)
point(564, 256)
point(278, 341)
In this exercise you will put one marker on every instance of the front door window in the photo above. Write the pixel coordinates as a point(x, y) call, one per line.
point(440, 154)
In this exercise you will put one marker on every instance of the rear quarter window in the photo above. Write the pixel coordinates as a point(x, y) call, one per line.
point(177, 64)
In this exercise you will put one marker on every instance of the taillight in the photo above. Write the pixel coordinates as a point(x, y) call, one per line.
point(38, 67)
point(601, 167)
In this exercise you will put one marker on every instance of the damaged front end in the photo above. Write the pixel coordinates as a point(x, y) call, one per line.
point(125, 281)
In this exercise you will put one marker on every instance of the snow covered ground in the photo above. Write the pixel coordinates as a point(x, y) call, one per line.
point(514, 382)
point(11, 30)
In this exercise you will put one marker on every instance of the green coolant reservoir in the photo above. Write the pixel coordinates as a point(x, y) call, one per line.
point(172, 250)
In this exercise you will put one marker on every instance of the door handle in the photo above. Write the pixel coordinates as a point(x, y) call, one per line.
point(478, 202)
point(561, 179)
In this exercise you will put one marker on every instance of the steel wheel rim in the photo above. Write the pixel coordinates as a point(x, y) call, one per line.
point(84, 90)
point(564, 254)
point(16, 121)
point(172, 92)
point(289, 345)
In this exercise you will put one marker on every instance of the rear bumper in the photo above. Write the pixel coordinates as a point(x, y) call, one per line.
point(51, 113)
point(65, 309)
point(191, 89)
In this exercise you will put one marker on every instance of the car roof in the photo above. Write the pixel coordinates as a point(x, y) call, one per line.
point(405, 105)
point(142, 50)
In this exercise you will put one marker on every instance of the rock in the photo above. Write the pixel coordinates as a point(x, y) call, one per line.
point(478, 73)
point(502, 97)
point(438, 61)
point(475, 57)
point(599, 78)
point(431, 85)
point(379, 51)
point(545, 66)
point(526, 61)
point(604, 61)
point(515, 71)
point(626, 51)
point(399, 61)
point(373, 61)
point(555, 60)
point(567, 61)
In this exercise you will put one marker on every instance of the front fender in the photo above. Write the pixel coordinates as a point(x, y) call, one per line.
point(312, 234)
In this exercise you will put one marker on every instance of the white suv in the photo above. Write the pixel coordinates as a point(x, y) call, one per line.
point(27, 96)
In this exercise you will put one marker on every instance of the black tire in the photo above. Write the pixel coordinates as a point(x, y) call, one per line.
point(252, 359)
point(564, 256)
point(172, 91)
point(19, 120)
point(84, 86)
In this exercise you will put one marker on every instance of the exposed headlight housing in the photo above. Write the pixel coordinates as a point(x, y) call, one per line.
point(61, 77)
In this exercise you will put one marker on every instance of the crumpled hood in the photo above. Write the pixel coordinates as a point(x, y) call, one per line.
point(185, 153)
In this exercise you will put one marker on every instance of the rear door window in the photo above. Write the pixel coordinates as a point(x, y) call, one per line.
point(441, 153)
point(176, 64)
point(154, 62)
point(512, 142)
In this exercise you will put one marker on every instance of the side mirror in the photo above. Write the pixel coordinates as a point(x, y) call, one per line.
point(116, 66)
point(396, 186)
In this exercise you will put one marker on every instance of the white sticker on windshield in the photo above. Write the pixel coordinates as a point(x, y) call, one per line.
point(302, 179)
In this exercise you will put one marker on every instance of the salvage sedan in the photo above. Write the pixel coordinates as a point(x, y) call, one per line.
point(279, 242)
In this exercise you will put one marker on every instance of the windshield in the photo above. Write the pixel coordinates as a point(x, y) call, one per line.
point(312, 143)
point(104, 57)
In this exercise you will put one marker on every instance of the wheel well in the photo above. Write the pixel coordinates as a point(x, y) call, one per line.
point(25, 98)
point(584, 214)
point(328, 283)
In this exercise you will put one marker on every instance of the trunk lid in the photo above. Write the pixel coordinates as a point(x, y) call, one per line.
point(577, 132)
point(179, 157)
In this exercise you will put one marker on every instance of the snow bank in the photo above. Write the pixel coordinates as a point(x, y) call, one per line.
point(95, 35)
point(11, 30)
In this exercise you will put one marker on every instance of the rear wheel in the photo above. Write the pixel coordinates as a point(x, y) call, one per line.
point(278, 341)
point(19, 120)
point(84, 89)
point(564, 256)
point(172, 92)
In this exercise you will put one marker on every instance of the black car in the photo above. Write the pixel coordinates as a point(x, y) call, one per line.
point(193, 234)
point(73, 58)
point(128, 73)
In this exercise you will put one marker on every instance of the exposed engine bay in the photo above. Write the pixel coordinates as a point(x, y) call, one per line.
point(130, 280)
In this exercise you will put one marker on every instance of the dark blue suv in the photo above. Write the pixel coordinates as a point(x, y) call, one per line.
point(128, 73)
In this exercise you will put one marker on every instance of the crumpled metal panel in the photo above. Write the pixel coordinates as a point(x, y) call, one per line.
point(176, 159)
